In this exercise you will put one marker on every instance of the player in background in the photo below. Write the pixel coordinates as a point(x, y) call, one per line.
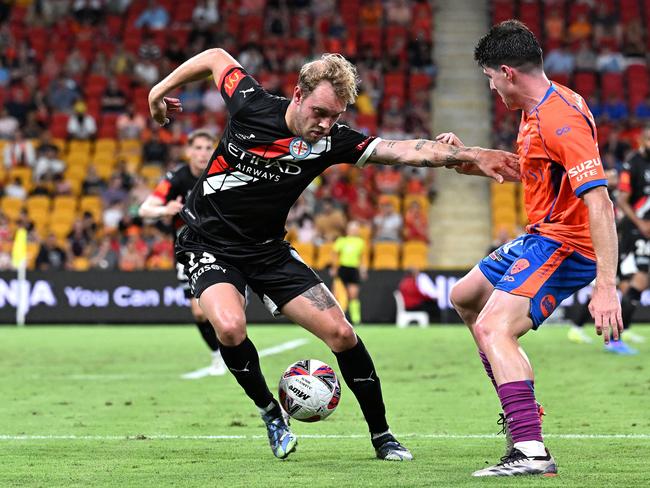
point(271, 150)
point(347, 265)
point(570, 241)
point(166, 202)
point(634, 202)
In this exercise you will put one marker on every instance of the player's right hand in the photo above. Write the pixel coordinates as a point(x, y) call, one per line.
point(606, 311)
point(500, 165)
point(174, 206)
point(161, 108)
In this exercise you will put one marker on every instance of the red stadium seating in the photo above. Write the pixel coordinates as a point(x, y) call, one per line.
point(585, 84)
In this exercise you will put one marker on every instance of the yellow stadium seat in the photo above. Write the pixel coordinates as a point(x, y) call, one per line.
point(130, 146)
point(81, 147)
point(421, 199)
point(133, 162)
point(105, 158)
point(151, 173)
point(80, 264)
point(307, 252)
point(415, 254)
point(61, 229)
point(25, 175)
point(92, 204)
point(325, 255)
point(365, 232)
point(385, 255)
point(60, 143)
point(32, 253)
point(105, 145)
point(11, 207)
point(38, 204)
point(64, 202)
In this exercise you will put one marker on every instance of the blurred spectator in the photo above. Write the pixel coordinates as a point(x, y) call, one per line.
point(121, 61)
point(131, 257)
point(580, 29)
point(75, 64)
point(113, 99)
point(154, 151)
point(191, 98)
point(50, 68)
point(388, 180)
point(62, 94)
point(174, 52)
point(112, 216)
point(154, 17)
point(88, 11)
point(642, 110)
point(50, 255)
point(8, 124)
point(419, 292)
point(387, 223)
point(585, 58)
point(162, 252)
point(554, 27)
point(20, 103)
point(361, 208)
point(205, 14)
point(15, 189)
point(607, 27)
point(398, 12)
point(330, 222)
point(81, 125)
point(148, 49)
point(559, 60)
point(100, 65)
point(92, 184)
point(371, 13)
point(609, 61)
point(615, 145)
point(615, 108)
point(130, 124)
point(251, 58)
point(306, 230)
point(61, 186)
point(78, 240)
point(89, 225)
point(103, 256)
point(114, 193)
point(633, 45)
point(19, 151)
point(595, 106)
point(47, 163)
point(146, 71)
point(416, 224)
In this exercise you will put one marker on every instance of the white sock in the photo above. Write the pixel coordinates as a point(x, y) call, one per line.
point(216, 354)
point(375, 436)
point(266, 409)
point(531, 448)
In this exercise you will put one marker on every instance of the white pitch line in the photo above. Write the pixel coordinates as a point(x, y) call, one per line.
point(306, 436)
point(269, 351)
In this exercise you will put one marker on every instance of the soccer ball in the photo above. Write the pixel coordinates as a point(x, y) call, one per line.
point(309, 390)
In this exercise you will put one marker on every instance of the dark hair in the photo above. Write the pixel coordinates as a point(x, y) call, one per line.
point(510, 43)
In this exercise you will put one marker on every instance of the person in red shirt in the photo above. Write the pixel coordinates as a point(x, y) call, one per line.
point(418, 292)
point(570, 241)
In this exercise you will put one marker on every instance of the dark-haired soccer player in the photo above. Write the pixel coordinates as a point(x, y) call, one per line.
point(570, 241)
point(271, 149)
point(167, 201)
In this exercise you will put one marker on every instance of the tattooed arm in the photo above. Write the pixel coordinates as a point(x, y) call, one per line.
point(432, 154)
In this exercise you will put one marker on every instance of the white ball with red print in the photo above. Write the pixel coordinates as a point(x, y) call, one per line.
point(309, 390)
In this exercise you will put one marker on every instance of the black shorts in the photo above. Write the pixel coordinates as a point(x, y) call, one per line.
point(183, 280)
point(272, 269)
point(349, 276)
point(634, 254)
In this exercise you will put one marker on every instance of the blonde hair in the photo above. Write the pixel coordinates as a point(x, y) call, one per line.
point(201, 133)
point(333, 68)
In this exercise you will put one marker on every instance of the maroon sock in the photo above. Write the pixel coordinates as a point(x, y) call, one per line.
point(488, 368)
point(520, 408)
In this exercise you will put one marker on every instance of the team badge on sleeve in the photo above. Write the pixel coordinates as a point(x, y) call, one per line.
point(299, 148)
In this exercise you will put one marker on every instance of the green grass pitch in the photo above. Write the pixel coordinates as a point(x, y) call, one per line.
point(105, 406)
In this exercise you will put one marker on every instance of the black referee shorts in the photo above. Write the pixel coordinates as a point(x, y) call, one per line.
point(348, 275)
point(272, 269)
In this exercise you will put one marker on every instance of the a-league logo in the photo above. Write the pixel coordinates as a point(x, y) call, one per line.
point(547, 305)
point(299, 148)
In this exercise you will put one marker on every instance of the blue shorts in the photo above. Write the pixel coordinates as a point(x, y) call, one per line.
point(544, 270)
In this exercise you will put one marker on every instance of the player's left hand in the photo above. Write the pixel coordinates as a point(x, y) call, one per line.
point(499, 165)
point(606, 311)
point(450, 138)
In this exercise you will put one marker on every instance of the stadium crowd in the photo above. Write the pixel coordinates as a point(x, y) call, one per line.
point(80, 152)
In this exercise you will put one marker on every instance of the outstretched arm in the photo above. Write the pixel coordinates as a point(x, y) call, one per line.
point(433, 154)
point(212, 62)
point(155, 208)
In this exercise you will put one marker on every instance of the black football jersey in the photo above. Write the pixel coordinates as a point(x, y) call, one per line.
point(635, 180)
point(178, 182)
point(259, 169)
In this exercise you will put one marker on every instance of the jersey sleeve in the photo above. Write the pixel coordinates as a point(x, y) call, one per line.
point(352, 147)
point(571, 142)
point(238, 88)
point(163, 189)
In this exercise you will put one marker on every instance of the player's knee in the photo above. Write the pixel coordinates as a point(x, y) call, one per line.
point(342, 338)
point(488, 332)
point(231, 329)
point(459, 297)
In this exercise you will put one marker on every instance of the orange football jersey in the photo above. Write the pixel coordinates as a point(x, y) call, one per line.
point(559, 160)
